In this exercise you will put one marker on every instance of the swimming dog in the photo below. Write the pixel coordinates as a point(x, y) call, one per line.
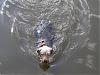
point(44, 37)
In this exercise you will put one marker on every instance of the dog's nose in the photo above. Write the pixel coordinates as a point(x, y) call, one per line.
point(45, 61)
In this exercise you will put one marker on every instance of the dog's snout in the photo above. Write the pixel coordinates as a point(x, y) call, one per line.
point(45, 61)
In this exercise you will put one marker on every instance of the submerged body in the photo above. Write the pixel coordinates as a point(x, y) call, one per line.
point(44, 37)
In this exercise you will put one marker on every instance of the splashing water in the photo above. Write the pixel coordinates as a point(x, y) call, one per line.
point(71, 24)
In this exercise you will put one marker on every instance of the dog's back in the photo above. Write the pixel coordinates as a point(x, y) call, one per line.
point(44, 31)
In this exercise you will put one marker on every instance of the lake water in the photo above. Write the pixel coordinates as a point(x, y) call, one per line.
point(75, 21)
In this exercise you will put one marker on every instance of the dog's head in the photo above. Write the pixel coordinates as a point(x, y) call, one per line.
point(45, 54)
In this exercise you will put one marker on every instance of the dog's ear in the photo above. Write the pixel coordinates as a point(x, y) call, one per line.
point(38, 51)
point(51, 52)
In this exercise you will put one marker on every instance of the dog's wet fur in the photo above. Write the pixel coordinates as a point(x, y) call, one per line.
point(44, 40)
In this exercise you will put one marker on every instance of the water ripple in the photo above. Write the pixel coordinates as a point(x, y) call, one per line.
point(71, 23)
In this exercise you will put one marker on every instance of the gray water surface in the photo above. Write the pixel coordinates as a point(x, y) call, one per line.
point(84, 61)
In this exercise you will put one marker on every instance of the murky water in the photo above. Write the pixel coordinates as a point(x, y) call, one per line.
point(75, 23)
